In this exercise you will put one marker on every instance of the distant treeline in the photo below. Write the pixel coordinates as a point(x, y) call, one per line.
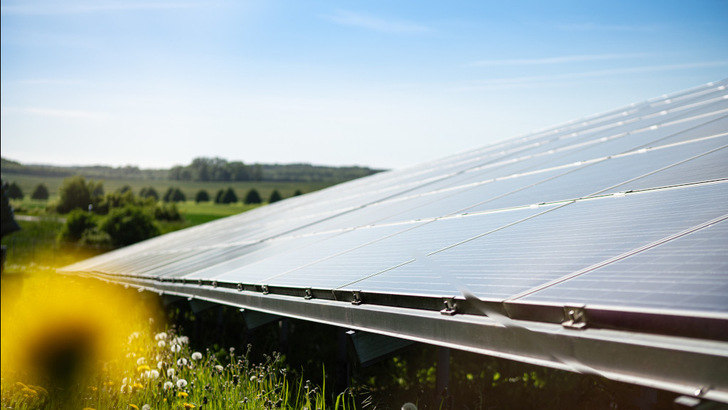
point(201, 169)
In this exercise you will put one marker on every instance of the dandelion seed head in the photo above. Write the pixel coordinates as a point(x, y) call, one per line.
point(219, 368)
point(141, 361)
point(146, 407)
point(168, 385)
point(175, 348)
point(181, 383)
point(196, 356)
point(170, 372)
point(161, 343)
point(161, 336)
point(182, 362)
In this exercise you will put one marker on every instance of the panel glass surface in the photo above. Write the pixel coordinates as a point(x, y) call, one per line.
point(687, 273)
point(555, 244)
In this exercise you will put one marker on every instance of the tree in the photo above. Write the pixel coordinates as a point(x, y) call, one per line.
point(275, 196)
point(149, 192)
point(202, 196)
point(75, 194)
point(219, 195)
point(77, 222)
point(297, 193)
point(124, 189)
point(229, 197)
point(129, 225)
point(253, 197)
point(40, 192)
point(14, 191)
point(174, 195)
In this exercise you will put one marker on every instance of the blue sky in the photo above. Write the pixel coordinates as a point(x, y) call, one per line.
point(377, 83)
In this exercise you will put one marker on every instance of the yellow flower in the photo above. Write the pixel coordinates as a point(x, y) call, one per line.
point(89, 408)
point(136, 386)
point(189, 406)
point(182, 394)
point(109, 383)
point(143, 368)
point(133, 407)
point(92, 388)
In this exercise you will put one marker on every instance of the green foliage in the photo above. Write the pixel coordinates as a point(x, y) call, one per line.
point(14, 191)
point(174, 195)
point(76, 193)
point(226, 196)
point(167, 212)
point(275, 196)
point(77, 222)
point(40, 192)
point(202, 196)
point(129, 225)
point(124, 189)
point(149, 192)
point(297, 193)
point(253, 197)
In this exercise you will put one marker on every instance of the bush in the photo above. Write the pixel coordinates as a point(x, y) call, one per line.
point(202, 196)
point(149, 192)
point(219, 195)
point(167, 212)
point(14, 191)
point(174, 195)
point(228, 197)
point(77, 223)
point(129, 225)
point(76, 193)
point(275, 196)
point(40, 192)
point(253, 197)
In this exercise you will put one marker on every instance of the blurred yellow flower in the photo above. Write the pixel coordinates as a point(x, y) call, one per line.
point(133, 407)
point(143, 368)
point(189, 406)
point(182, 394)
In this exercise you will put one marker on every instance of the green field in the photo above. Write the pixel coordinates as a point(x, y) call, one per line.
point(28, 183)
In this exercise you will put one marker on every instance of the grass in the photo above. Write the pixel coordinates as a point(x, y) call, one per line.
point(56, 357)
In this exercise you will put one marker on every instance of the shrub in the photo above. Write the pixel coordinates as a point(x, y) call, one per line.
point(149, 192)
point(229, 197)
point(202, 196)
point(40, 192)
point(167, 212)
point(174, 195)
point(76, 193)
point(129, 225)
point(14, 191)
point(275, 196)
point(77, 222)
point(253, 197)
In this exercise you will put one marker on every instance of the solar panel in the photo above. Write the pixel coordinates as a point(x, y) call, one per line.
point(619, 217)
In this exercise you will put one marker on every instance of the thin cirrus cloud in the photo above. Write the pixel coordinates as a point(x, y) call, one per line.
point(555, 60)
point(530, 81)
point(605, 27)
point(374, 23)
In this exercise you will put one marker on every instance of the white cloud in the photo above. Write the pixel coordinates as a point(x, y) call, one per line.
point(374, 23)
point(555, 60)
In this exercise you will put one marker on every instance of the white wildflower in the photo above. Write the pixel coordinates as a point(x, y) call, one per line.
point(168, 385)
point(160, 364)
point(252, 378)
point(123, 389)
point(161, 343)
point(141, 361)
point(182, 340)
point(175, 348)
point(125, 380)
point(181, 383)
point(133, 336)
point(146, 406)
point(196, 356)
point(170, 372)
point(151, 374)
point(219, 368)
point(182, 362)
point(160, 336)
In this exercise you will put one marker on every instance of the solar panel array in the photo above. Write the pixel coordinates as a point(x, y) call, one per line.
point(623, 211)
